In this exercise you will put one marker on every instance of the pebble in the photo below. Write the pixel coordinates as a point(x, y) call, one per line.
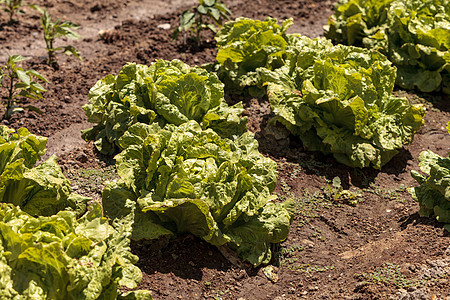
point(164, 26)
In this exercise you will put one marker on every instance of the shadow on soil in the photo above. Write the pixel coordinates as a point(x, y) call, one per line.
point(415, 219)
point(185, 256)
point(191, 45)
point(437, 100)
point(319, 164)
point(276, 142)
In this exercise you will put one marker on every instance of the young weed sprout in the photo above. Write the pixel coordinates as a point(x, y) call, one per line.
point(18, 83)
point(195, 18)
point(12, 7)
point(54, 30)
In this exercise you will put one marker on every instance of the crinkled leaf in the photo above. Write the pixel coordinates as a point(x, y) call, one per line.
point(187, 179)
point(433, 194)
point(338, 100)
point(42, 190)
point(166, 92)
point(244, 45)
point(60, 257)
point(414, 34)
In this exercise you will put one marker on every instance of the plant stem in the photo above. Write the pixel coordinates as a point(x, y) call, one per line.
point(10, 95)
point(50, 51)
point(199, 24)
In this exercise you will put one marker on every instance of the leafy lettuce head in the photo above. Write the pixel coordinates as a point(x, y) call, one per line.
point(166, 92)
point(186, 179)
point(244, 45)
point(433, 194)
point(338, 100)
point(40, 190)
point(60, 257)
point(413, 34)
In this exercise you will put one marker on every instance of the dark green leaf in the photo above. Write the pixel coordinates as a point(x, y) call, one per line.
point(186, 20)
point(71, 50)
point(215, 13)
point(37, 8)
point(224, 10)
point(35, 109)
point(15, 59)
point(209, 2)
point(37, 87)
point(37, 75)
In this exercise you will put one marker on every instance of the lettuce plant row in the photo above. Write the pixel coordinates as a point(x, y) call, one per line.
point(186, 160)
point(413, 34)
point(337, 99)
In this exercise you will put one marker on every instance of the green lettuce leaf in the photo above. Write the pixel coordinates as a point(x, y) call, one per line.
point(338, 100)
point(40, 191)
point(166, 92)
point(433, 194)
point(187, 179)
point(21, 144)
point(413, 34)
point(60, 257)
point(244, 45)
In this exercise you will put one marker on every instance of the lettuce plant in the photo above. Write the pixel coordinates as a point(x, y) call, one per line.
point(62, 257)
point(433, 194)
point(244, 45)
point(41, 190)
point(166, 92)
point(338, 100)
point(186, 179)
point(413, 34)
point(19, 83)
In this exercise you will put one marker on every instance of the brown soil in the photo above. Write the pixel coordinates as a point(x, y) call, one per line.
point(336, 249)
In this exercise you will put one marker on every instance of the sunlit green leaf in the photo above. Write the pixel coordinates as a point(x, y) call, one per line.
point(414, 34)
point(167, 92)
point(338, 100)
point(186, 179)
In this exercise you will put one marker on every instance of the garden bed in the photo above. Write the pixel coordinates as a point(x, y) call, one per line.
point(375, 247)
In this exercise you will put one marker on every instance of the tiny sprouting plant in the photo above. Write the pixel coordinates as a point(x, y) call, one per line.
point(18, 83)
point(12, 7)
point(337, 193)
point(54, 30)
point(195, 18)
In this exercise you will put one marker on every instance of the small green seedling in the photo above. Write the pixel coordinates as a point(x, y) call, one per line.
point(12, 7)
point(337, 192)
point(18, 83)
point(194, 19)
point(54, 30)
